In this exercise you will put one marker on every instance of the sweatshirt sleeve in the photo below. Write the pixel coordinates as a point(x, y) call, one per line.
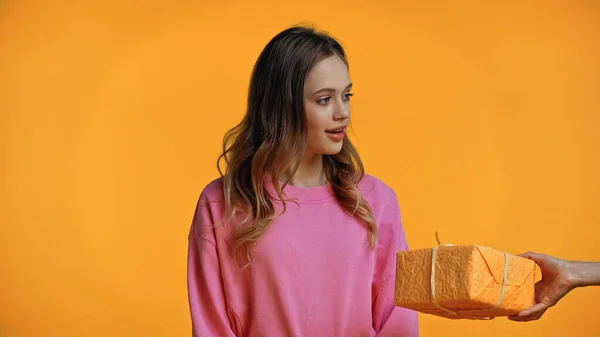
point(389, 320)
point(208, 308)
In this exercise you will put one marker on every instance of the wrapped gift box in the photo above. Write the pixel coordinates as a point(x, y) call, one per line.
point(469, 282)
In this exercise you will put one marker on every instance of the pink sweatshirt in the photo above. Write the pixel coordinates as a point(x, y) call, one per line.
point(312, 273)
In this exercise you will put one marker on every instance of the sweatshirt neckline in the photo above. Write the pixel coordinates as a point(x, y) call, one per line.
point(315, 194)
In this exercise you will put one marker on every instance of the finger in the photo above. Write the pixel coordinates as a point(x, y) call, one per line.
point(529, 312)
point(517, 318)
point(532, 256)
point(528, 318)
point(535, 316)
point(527, 254)
point(533, 309)
point(525, 318)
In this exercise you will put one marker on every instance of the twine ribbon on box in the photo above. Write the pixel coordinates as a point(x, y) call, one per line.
point(450, 311)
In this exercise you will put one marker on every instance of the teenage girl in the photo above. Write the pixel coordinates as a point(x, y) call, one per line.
point(294, 239)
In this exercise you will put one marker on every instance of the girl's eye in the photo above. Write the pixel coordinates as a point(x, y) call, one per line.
point(323, 100)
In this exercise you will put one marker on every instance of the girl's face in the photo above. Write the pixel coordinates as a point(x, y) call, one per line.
point(326, 103)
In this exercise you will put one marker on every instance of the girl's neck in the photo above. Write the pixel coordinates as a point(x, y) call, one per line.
point(310, 172)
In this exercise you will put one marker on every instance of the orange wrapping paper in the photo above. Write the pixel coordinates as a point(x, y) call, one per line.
point(468, 282)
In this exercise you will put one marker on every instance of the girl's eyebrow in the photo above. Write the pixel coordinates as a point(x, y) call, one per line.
point(348, 87)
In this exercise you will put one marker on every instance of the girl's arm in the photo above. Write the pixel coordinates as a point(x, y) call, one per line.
point(389, 320)
point(208, 307)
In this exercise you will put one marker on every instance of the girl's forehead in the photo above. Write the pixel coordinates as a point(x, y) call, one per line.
point(328, 72)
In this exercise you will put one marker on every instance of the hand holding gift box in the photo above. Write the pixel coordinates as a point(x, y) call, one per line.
point(464, 282)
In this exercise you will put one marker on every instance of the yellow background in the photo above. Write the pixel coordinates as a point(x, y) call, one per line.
point(483, 118)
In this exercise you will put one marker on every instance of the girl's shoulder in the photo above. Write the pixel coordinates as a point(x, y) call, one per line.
point(376, 190)
point(213, 191)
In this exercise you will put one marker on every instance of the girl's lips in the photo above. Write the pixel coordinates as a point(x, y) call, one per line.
point(337, 136)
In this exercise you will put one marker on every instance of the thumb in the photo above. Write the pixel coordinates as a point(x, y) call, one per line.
point(537, 258)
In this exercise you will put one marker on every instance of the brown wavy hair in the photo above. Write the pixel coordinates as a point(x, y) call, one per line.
point(272, 138)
